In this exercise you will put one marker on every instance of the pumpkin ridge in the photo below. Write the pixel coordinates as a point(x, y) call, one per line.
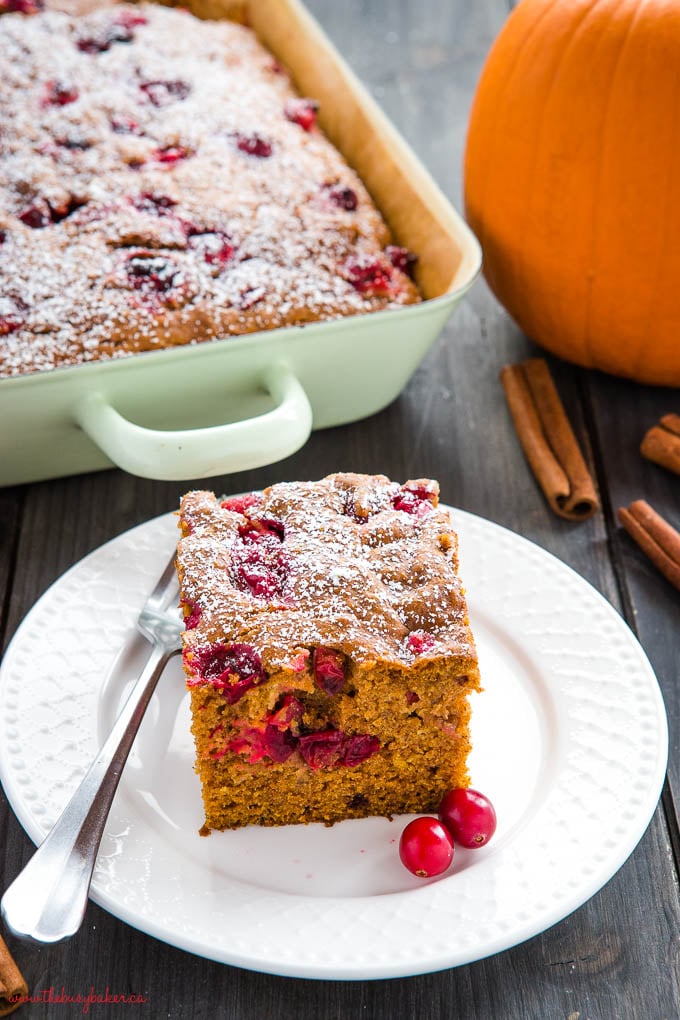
point(491, 166)
point(587, 331)
point(524, 275)
point(641, 354)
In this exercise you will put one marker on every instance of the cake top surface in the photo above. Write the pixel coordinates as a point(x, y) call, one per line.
point(162, 182)
point(353, 562)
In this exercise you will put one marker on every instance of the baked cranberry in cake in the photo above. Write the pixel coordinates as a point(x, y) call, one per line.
point(418, 642)
point(156, 205)
point(254, 145)
point(302, 112)
point(411, 500)
point(288, 710)
point(342, 196)
point(231, 669)
point(162, 93)
point(170, 154)
point(192, 615)
point(239, 504)
point(214, 245)
point(59, 93)
point(401, 258)
point(122, 124)
point(37, 215)
point(266, 742)
point(152, 275)
point(261, 529)
point(329, 669)
point(260, 570)
point(250, 297)
point(11, 315)
point(21, 6)
point(368, 275)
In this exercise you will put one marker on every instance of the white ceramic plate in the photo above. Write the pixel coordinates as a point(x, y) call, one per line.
point(570, 743)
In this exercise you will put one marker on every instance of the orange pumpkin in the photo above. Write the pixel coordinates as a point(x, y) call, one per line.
point(572, 180)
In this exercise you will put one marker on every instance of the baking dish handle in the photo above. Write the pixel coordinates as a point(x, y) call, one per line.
point(200, 453)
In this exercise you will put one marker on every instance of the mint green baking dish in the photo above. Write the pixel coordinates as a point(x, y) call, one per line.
point(228, 405)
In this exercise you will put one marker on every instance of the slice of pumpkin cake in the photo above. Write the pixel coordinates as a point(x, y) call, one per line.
point(327, 650)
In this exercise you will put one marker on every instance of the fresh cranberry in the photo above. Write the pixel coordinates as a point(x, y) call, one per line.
point(155, 205)
point(425, 847)
point(359, 748)
point(59, 93)
point(302, 112)
point(412, 697)
point(218, 663)
point(21, 6)
point(170, 154)
point(414, 501)
point(254, 145)
point(237, 504)
point(329, 669)
point(122, 124)
point(322, 750)
point(401, 258)
point(150, 273)
point(257, 529)
point(162, 93)
point(419, 641)
point(214, 245)
point(369, 276)
point(469, 816)
point(343, 197)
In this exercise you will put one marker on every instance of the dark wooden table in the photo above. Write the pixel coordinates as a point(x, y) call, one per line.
point(619, 955)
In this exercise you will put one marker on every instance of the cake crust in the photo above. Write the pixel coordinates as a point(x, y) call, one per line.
point(328, 650)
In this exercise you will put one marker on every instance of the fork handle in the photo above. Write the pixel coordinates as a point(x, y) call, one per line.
point(46, 902)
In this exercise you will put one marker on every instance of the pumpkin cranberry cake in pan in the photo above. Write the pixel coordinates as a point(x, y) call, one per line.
point(163, 184)
point(327, 650)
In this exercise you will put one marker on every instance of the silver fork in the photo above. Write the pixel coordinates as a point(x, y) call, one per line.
point(46, 902)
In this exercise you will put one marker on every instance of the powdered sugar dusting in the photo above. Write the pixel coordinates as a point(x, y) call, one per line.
point(360, 577)
point(119, 131)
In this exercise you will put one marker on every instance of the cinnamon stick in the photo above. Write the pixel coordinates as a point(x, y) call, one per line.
point(662, 443)
point(655, 536)
point(12, 984)
point(548, 440)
